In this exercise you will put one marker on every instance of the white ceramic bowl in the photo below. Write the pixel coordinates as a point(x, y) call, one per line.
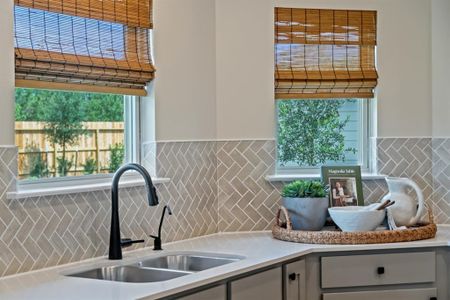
point(355, 218)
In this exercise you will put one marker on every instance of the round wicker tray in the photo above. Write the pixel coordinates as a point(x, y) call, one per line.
point(283, 231)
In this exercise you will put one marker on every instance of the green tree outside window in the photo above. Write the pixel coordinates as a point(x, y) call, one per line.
point(311, 132)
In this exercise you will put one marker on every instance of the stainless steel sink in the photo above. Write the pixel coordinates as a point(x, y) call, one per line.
point(130, 274)
point(159, 268)
point(183, 262)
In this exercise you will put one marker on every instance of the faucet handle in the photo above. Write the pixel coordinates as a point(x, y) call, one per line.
point(157, 245)
point(128, 242)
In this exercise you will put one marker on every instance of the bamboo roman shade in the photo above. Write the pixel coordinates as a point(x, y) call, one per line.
point(325, 53)
point(87, 45)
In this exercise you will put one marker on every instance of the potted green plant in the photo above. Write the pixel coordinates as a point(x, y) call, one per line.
point(307, 204)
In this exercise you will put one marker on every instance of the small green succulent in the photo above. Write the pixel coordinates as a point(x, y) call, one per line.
point(304, 189)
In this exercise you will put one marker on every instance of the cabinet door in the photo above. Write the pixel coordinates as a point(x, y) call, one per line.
point(410, 294)
point(261, 286)
point(295, 280)
point(216, 293)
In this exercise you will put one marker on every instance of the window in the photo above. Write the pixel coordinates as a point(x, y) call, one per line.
point(316, 132)
point(325, 79)
point(80, 72)
point(67, 134)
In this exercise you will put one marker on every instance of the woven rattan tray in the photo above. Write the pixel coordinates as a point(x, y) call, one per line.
point(283, 231)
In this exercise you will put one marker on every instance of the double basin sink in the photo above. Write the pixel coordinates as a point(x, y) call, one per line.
point(159, 268)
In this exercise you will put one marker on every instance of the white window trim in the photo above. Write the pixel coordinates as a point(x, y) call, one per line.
point(368, 154)
point(77, 185)
point(132, 129)
point(96, 182)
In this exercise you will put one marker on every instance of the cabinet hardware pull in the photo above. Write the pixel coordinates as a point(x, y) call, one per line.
point(380, 270)
point(292, 276)
point(433, 298)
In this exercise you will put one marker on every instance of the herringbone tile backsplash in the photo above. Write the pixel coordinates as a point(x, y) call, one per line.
point(441, 179)
point(47, 231)
point(214, 187)
point(246, 200)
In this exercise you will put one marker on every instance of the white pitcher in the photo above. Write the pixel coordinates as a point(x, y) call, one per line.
point(405, 210)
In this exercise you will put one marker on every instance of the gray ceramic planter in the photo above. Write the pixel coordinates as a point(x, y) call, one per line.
point(307, 213)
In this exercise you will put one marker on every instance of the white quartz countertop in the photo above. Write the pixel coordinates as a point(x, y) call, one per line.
point(259, 249)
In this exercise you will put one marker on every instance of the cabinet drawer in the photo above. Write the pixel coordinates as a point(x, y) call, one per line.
point(411, 294)
point(378, 269)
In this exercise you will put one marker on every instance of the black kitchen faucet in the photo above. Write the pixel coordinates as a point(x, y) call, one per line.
point(115, 242)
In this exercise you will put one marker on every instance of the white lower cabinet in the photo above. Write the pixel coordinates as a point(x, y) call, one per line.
point(374, 275)
point(266, 285)
point(295, 280)
point(215, 293)
point(409, 294)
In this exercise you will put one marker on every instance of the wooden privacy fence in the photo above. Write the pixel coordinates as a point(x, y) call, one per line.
point(95, 144)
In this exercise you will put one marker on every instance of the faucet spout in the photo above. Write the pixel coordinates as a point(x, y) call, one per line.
point(115, 243)
point(158, 242)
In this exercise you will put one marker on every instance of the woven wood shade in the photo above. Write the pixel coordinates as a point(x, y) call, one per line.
point(81, 53)
point(325, 53)
point(133, 13)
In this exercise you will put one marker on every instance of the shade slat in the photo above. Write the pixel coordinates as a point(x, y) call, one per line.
point(321, 52)
point(65, 86)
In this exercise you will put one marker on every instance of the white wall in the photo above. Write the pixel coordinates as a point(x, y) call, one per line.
point(441, 67)
point(245, 107)
point(185, 92)
point(245, 64)
point(404, 64)
point(6, 73)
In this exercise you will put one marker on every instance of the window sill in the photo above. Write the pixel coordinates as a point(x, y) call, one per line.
point(80, 188)
point(291, 177)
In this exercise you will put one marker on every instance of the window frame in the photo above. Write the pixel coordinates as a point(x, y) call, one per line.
point(365, 158)
point(132, 142)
